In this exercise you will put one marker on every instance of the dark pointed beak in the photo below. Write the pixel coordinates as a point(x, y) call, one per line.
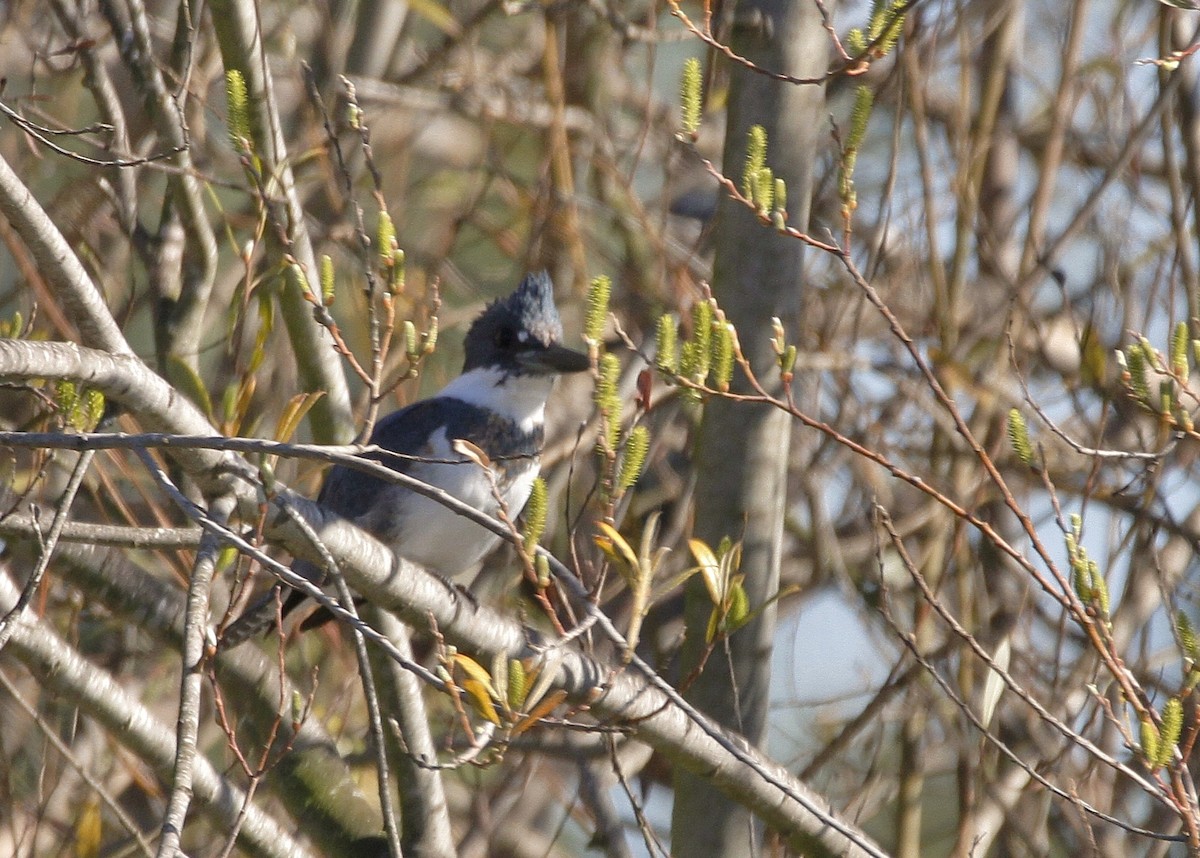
point(554, 358)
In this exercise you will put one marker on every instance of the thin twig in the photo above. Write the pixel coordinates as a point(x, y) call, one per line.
point(62, 510)
point(50, 734)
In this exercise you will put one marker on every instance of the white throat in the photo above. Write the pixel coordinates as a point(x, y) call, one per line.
point(520, 398)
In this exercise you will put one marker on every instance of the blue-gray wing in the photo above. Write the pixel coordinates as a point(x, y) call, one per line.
point(408, 431)
point(411, 433)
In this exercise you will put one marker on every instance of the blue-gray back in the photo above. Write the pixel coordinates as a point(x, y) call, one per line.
point(410, 432)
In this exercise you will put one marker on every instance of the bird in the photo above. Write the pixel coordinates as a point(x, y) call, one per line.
point(513, 356)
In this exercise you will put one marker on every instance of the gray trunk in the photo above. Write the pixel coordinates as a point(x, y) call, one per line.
point(742, 452)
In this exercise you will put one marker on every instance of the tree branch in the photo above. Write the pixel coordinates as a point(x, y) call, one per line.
point(61, 668)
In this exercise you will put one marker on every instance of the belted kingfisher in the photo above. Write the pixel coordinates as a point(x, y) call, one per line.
point(514, 354)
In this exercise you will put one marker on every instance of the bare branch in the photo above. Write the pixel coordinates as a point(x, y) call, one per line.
point(61, 668)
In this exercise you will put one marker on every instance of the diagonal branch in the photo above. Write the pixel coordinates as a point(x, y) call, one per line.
point(58, 264)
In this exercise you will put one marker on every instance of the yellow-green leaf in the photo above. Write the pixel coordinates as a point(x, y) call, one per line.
point(294, 412)
point(612, 543)
point(478, 694)
point(710, 569)
point(476, 671)
point(739, 608)
point(89, 829)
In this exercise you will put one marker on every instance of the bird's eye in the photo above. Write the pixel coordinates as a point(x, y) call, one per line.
point(504, 338)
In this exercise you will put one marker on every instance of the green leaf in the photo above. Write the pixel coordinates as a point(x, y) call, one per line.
point(476, 671)
point(612, 543)
point(739, 608)
point(294, 412)
point(188, 382)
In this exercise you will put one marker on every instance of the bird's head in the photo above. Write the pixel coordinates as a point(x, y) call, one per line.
point(522, 334)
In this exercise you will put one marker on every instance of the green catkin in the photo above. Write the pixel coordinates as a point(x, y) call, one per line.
point(535, 515)
point(91, 409)
point(12, 327)
point(691, 97)
point(327, 280)
point(702, 318)
point(1150, 743)
point(518, 683)
point(1082, 582)
point(430, 336)
point(608, 401)
point(1172, 728)
point(237, 109)
point(764, 190)
point(780, 196)
point(756, 158)
point(864, 99)
point(412, 343)
point(666, 338)
point(1018, 437)
point(597, 309)
point(886, 27)
point(1099, 588)
point(1187, 637)
point(787, 361)
point(396, 281)
point(1135, 363)
point(634, 459)
point(1179, 351)
point(541, 566)
point(385, 236)
point(722, 356)
point(66, 397)
point(856, 41)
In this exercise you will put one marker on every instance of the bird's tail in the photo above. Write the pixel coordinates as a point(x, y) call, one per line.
point(255, 620)
point(264, 612)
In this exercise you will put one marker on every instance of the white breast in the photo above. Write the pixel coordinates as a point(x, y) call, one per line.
point(428, 533)
point(520, 398)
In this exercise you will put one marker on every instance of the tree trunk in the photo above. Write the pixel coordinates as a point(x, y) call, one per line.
point(742, 452)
